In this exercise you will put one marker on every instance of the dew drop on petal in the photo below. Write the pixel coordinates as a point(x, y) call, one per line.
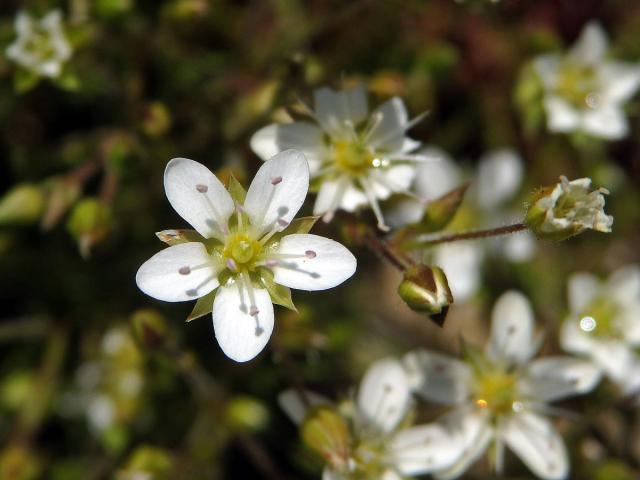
point(587, 324)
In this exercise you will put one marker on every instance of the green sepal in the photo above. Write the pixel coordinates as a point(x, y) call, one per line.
point(300, 225)
point(203, 306)
point(68, 81)
point(25, 80)
point(175, 237)
point(279, 294)
point(236, 190)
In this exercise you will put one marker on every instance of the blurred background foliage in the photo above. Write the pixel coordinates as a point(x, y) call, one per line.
point(99, 381)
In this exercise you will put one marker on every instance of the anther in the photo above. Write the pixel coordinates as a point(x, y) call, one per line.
point(231, 264)
point(310, 254)
point(202, 188)
point(282, 222)
point(184, 270)
point(253, 311)
point(276, 180)
point(271, 263)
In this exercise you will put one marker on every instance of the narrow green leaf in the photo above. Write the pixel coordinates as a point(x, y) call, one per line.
point(174, 237)
point(203, 306)
point(236, 190)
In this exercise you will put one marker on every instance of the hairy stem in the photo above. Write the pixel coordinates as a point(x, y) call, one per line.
point(472, 235)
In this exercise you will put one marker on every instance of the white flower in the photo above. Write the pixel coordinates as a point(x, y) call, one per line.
point(604, 324)
point(41, 45)
point(497, 179)
point(379, 442)
point(583, 91)
point(500, 395)
point(354, 159)
point(243, 250)
point(568, 208)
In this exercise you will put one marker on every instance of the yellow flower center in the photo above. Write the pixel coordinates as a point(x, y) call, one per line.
point(243, 250)
point(496, 391)
point(353, 157)
point(599, 318)
point(577, 84)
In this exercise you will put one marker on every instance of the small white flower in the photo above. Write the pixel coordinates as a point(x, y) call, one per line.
point(497, 179)
point(567, 209)
point(500, 395)
point(355, 159)
point(583, 91)
point(380, 445)
point(41, 45)
point(604, 324)
point(242, 251)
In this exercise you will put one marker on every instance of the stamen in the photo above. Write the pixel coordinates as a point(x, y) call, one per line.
point(337, 198)
point(276, 180)
point(282, 222)
point(375, 206)
point(374, 121)
point(184, 270)
point(400, 130)
point(231, 265)
point(239, 212)
point(253, 309)
point(221, 225)
point(310, 254)
point(202, 188)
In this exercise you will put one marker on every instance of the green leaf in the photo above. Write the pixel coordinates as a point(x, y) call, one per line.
point(203, 306)
point(175, 237)
point(279, 294)
point(236, 190)
point(25, 80)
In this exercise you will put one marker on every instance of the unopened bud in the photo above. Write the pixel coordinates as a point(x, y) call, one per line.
point(149, 328)
point(567, 208)
point(326, 432)
point(425, 289)
point(246, 414)
point(22, 205)
point(89, 223)
point(147, 462)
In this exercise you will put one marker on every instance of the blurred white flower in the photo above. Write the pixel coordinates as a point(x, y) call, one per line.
point(354, 158)
point(497, 179)
point(41, 45)
point(380, 444)
point(584, 91)
point(500, 395)
point(604, 324)
point(568, 208)
point(243, 252)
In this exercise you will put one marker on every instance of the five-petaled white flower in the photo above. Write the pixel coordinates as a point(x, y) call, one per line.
point(354, 159)
point(500, 395)
point(568, 208)
point(583, 91)
point(376, 440)
point(604, 324)
point(41, 46)
point(244, 252)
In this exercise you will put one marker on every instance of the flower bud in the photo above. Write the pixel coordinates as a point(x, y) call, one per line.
point(89, 223)
point(22, 205)
point(425, 289)
point(149, 327)
point(325, 431)
point(147, 462)
point(566, 209)
point(245, 413)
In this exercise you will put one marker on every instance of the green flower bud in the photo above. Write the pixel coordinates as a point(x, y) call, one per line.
point(147, 462)
point(567, 208)
point(426, 290)
point(22, 205)
point(246, 414)
point(89, 223)
point(326, 432)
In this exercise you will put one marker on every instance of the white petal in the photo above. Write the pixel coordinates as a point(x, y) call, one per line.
point(383, 396)
point(616, 358)
point(51, 68)
point(499, 177)
point(295, 407)
point(624, 285)
point(512, 323)
point(328, 474)
point(303, 136)
point(472, 432)
point(23, 23)
point(573, 339)
point(353, 198)
point(404, 212)
point(561, 116)
point(160, 277)
point(198, 196)
point(389, 132)
point(546, 66)
point(278, 190)
point(334, 110)
point(591, 46)
point(621, 81)
point(582, 288)
point(554, 378)
point(438, 377)
point(423, 449)
point(607, 122)
point(537, 443)
point(461, 264)
point(52, 20)
point(322, 263)
point(242, 336)
point(396, 179)
point(437, 176)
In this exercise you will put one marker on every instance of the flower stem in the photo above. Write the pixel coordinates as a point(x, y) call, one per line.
point(471, 235)
point(384, 250)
